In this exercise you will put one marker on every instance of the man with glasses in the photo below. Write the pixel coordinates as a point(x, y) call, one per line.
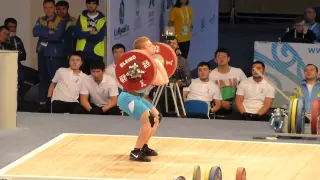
point(227, 78)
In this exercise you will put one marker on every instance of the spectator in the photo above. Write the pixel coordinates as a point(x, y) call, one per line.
point(310, 20)
point(300, 34)
point(50, 30)
point(203, 89)
point(227, 78)
point(62, 8)
point(90, 32)
point(102, 91)
point(4, 38)
point(180, 18)
point(117, 50)
point(17, 43)
point(254, 96)
point(309, 89)
point(65, 87)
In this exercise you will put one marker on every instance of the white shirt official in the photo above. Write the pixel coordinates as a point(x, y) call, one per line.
point(68, 85)
point(232, 78)
point(254, 94)
point(100, 94)
point(111, 71)
point(203, 91)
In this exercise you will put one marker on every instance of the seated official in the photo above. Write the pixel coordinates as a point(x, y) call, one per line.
point(63, 93)
point(117, 50)
point(254, 96)
point(202, 89)
point(99, 92)
point(227, 78)
point(309, 90)
point(300, 34)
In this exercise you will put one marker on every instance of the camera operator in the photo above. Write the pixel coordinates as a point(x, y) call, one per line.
point(183, 73)
point(182, 77)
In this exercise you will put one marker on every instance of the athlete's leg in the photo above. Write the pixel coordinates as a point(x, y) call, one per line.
point(136, 109)
point(156, 114)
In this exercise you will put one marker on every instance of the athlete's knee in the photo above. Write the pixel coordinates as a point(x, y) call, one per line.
point(151, 119)
point(160, 117)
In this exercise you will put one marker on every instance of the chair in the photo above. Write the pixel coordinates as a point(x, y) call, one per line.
point(197, 107)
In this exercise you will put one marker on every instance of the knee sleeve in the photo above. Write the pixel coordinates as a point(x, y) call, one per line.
point(160, 117)
point(151, 119)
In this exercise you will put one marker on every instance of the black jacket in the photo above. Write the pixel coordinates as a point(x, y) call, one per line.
point(183, 72)
point(309, 37)
point(17, 44)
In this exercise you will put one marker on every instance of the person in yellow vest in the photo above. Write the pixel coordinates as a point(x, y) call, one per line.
point(180, 18)
point(90, 33)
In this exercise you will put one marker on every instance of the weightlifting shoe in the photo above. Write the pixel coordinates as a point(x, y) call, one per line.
point(148, 151)
point(139, 155)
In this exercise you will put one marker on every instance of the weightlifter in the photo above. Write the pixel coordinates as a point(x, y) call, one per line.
point(309, 89)
point(139, 108)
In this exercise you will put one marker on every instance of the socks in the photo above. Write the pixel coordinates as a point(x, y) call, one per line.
point(145, 146)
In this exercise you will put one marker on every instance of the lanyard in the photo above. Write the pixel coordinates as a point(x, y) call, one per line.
point(15, 43)
point(182, 15)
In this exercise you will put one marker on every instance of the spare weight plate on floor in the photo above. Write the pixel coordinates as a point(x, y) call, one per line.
point(215, 173)
point(289, 115)
point(314, 116)
point(241, 174)
point(293, 115)
point(196, 173)
point(300, 117)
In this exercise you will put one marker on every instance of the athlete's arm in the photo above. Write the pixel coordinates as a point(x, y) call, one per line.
point(162, 75)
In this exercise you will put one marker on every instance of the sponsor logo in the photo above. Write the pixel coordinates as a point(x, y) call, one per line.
point(314, 50)
point(137, 21)
point(127, 61)
point(123, 29)
point(151, 13)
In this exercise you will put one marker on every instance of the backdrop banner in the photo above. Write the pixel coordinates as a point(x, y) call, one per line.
point(129, 19)
point(204, 40)
point(285, 63)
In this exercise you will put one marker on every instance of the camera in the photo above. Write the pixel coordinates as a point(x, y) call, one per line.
point(169, 34)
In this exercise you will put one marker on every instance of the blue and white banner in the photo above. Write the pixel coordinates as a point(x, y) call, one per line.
point(204, 40)
point(285, 63)
point(130, 19)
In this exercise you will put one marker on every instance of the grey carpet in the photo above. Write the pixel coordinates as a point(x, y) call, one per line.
point(36, 129)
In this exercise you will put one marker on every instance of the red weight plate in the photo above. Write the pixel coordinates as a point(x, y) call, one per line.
point(169, 57)
point(144, 62)
point(241, 174)
point(314, 116)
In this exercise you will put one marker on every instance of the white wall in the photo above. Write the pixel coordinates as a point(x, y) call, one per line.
point(21, 11)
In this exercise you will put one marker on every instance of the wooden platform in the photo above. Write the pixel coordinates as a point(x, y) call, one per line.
point(83, 156)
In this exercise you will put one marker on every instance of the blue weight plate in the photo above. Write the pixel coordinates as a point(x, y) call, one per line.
point(215, 173)
point(300, 118)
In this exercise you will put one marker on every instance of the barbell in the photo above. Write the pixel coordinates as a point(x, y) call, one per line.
point(136, 69)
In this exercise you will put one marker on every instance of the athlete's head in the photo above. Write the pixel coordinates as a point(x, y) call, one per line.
point(144, 43)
